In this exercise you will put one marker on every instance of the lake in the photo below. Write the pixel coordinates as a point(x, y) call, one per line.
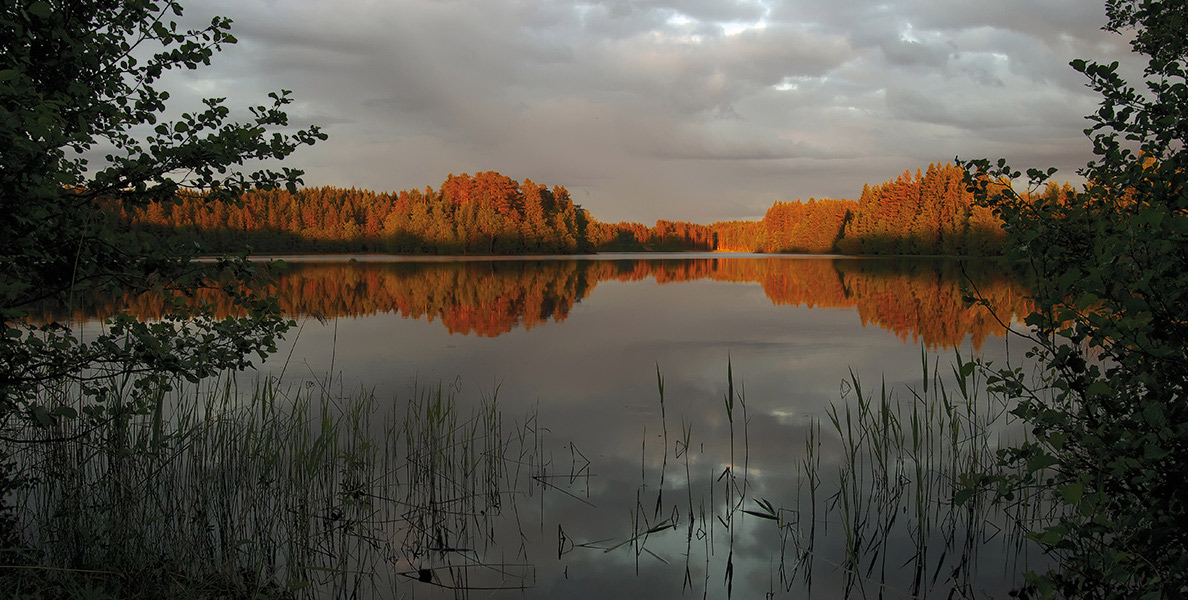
point(612, 489)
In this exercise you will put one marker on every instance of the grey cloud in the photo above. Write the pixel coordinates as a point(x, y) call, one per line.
point(912, 105)
point(703, 77)
point(911, 54)
point(749, 147)
point(722, 10)
point(612, 23)
point(648, 109)
point(1050, 20)
point(705, 10)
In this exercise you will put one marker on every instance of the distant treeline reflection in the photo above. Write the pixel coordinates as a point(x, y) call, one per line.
point(918, 300)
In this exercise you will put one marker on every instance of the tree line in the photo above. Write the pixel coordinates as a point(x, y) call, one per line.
point(812, 227)
point(487, 213)
point(928, 212)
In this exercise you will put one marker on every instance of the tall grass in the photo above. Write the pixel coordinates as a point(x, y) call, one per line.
point(895, 496)
point(279, 495)
point(275, 494)
point(879, 510)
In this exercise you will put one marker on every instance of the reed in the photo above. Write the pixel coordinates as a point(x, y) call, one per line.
point(881, 507)
point(896, 496)
point(276, 495)
point(210, 492)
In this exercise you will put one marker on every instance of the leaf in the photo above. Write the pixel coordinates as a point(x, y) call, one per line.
point(1154, 415)
point(1051, 537)
point(1087, 300)
point(1072, 492)
point(1040, 461)
point(41, 416)
point(67, 412)
point(761, 515)
point(41, 9)
point(963, 495)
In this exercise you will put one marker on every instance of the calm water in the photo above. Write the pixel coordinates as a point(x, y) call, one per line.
point(578, 343)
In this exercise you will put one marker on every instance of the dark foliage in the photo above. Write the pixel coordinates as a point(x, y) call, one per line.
point(1108, 415)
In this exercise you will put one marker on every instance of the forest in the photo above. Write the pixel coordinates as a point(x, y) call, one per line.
point(488, 213)
point(929, 212)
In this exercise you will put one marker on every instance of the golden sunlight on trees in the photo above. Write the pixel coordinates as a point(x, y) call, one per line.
point(488, 213)
point(928, 212)
point(921, 213)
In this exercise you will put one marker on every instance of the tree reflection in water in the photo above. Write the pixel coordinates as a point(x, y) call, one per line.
point(758, 494)
point(917, 299)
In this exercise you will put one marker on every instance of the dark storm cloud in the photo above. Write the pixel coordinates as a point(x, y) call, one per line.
point(694, 109)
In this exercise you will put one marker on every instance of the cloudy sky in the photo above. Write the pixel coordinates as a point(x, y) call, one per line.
point(698, 110)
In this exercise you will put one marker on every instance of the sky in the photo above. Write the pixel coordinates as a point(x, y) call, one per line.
point(697, 110)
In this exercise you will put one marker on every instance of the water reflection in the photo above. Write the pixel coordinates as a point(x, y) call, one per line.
point(918, 300)
point(622, 495)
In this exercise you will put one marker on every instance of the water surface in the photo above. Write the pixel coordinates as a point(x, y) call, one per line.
point(577, 345)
